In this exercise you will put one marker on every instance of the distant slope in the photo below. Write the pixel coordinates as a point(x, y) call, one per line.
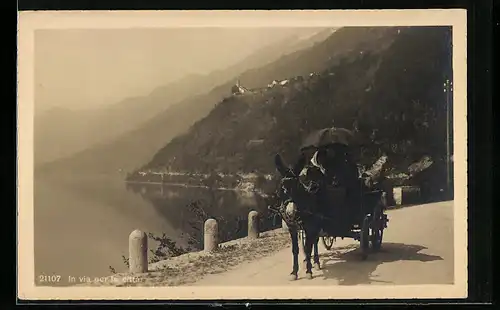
point(386, 81)
point(131, 147)
point(61, 132)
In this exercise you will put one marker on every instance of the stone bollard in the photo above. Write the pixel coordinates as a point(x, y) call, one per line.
point(398, 195)
point(138, 252)
point(211, 235)
point(406, 195)
point(284, 226)
point(253, 224)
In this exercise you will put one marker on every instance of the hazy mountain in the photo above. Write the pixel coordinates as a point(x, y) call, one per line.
point(135, 141)
point(61, 132)
point(198, 84)
point(385, 81)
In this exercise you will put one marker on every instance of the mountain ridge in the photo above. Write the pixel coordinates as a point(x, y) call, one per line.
point(390, 89)
point(135, 143)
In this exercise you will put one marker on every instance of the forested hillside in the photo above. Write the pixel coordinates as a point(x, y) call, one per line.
point(385, 82)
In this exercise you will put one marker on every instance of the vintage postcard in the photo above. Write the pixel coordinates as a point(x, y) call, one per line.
point(242, 154)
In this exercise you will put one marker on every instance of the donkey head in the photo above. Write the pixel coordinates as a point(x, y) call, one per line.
point(291, 210)
point(294, 196)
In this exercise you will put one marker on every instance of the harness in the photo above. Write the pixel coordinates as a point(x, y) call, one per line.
point(314, 178)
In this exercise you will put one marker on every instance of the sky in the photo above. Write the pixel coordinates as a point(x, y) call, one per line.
point(91, 68)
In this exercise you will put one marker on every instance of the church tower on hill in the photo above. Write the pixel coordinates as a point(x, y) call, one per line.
point(238, 89)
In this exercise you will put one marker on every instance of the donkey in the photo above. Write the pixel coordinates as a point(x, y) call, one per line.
point(299, 210)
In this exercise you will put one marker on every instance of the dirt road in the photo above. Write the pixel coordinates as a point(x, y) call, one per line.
point(417, 249)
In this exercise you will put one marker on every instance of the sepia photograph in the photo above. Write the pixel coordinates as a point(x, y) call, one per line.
point(242, 154)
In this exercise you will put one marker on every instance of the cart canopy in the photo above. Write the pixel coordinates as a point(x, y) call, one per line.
point(328, 136)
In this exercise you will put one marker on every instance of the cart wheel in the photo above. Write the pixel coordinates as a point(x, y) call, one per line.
point(377, 232)
point(327, 242)
point(364, 239)
point(377, 226)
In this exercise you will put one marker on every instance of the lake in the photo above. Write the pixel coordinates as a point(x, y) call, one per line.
point(82, 223)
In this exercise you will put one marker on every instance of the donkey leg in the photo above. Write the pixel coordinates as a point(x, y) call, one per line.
point(308, 249)
point(302, 248)
point(317, 264)
point(295, 252)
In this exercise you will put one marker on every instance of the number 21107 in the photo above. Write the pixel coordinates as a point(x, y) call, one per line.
point(52, 278)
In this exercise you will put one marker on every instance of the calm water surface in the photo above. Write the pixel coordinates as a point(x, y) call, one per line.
point(82, 223)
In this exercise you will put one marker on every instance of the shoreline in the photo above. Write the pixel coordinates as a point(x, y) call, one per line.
point(191, 267)
point(253, 191)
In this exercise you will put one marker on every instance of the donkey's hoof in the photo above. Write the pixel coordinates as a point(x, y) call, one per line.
point(317, 266)
point(292, 277)
point(309, 276)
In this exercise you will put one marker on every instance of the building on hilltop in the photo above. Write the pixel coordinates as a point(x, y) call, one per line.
point(238, 89)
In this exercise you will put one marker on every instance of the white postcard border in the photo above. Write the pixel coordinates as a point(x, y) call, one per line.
point(29, 21)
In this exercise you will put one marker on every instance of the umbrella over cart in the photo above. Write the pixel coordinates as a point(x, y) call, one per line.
point(329, 136)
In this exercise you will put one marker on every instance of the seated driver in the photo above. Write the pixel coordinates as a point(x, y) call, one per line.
point(338, 169)
point(337, 165)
